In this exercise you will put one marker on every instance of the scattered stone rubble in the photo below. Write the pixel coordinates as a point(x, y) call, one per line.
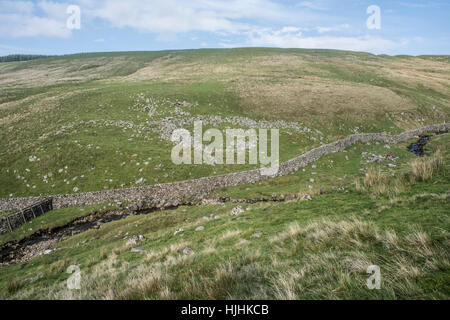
point(163, 116)
point(135, 239)
point(371, 157)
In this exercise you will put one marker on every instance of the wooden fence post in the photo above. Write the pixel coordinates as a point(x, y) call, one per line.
point(9, 224)
point(23, 216)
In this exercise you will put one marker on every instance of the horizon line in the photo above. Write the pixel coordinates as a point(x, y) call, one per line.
point(217, 48)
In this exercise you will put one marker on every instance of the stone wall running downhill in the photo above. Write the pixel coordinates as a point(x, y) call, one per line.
point(162, 195)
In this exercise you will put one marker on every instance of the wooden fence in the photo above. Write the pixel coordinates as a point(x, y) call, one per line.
point(14, 220)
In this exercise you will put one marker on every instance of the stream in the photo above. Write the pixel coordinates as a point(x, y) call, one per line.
point(418, 147)
point(36, 244)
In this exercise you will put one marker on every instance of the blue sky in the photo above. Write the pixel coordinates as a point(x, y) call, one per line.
point(407, 27)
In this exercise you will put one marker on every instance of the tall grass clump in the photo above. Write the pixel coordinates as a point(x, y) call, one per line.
point(13, 286)
point(382, 184)
point(379, 183)
point(424, 169)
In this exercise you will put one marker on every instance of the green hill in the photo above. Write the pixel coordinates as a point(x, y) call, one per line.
point(101, 121)
point(77, 111)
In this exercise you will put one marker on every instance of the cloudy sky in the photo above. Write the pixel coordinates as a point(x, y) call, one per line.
point(50, 27)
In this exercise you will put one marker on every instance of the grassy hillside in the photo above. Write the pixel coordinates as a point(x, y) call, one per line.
point(101, 121)
point(297, 249)
point(94, 121)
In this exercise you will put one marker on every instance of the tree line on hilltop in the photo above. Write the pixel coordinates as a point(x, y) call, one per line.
point(21, 57)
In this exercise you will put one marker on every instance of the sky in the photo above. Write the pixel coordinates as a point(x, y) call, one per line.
point(412, 27)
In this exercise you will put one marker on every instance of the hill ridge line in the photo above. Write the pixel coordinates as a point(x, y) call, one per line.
point(159, 195)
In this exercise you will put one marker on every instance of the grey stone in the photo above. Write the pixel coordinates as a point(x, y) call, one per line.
point(132, 241)
point(306, 197)
point(236, 211)
point(178, 231)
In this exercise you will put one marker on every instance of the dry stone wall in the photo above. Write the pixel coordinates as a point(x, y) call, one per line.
point(163, 195)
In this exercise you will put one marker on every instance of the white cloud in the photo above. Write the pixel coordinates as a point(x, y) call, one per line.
point(428, 4)
point(177, 16)
point(333, 29)
point(312, 5)
point(233, 19)
point(277, 38)
point(163, 17)
point(290, 30)
point(24, 19)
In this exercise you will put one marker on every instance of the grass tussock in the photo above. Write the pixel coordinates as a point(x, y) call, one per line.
point(334, 253)
point(230, 234)
point(424, 169)
point(13, 286)
point(380, 183)
point(60, 266)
